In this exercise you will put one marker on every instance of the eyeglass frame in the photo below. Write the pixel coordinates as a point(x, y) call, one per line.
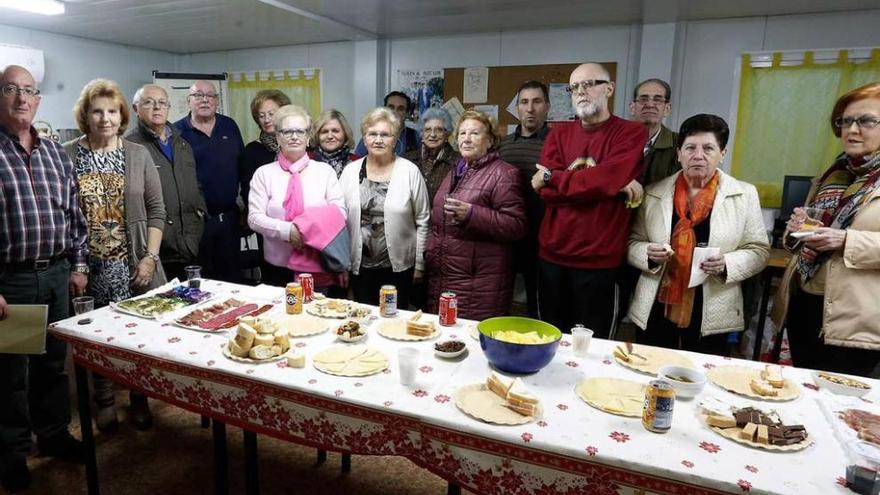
point(149, 102)
point(586, 85)
point(292, 133)
point(840, 123)
point(660, 100)
point(10, 89)
point(372, 136)
point(203, 96)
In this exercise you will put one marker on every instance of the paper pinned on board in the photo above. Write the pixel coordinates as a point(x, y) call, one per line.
point(454, 107)
point(476, 84)
point(24, 329)
point(511, 107)
point(698, 276)
point(490, 110)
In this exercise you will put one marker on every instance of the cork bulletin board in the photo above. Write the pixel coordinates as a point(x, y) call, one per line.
point(504, 81)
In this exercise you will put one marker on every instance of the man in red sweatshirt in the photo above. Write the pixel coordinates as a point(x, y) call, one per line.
point(586, 180)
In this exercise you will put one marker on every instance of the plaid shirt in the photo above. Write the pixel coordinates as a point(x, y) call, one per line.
point(40, 216)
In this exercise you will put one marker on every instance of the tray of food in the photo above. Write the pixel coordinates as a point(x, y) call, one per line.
point(767, 383)
point(337, 308)
point(350, 360)
point(257, 340)
point(219, 316)
point(499, 400)
point(160, 303)
point(415, 328)
point(756, 428)
point(647, 359)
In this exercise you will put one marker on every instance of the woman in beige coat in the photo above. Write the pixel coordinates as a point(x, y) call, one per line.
point(700, 206)
point(833, 280)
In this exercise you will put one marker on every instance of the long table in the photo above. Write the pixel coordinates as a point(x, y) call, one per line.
point(573, 448)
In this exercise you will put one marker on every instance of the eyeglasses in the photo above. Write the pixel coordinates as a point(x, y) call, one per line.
point(863, 122)
point(293, 133)
point(438, 131)
point(11, 90)
point(151, 103)
point(585, 85)
point(203, 96)
point(645, 99)
point(384, 136)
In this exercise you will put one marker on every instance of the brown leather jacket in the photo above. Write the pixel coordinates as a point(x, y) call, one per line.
point(474, 258)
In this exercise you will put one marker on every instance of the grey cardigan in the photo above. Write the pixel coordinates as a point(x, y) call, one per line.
point(144, 206)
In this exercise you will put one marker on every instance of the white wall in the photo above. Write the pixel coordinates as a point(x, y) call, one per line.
point(336, 61)
point(72, 62)
point(602, 44)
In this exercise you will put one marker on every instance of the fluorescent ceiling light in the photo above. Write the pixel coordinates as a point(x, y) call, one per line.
point(45, 7)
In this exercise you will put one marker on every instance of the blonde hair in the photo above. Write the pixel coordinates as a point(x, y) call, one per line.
point(381, 114)
point(99, 88)
point(489, 122)
point(325, 117)
point(275, 95)
point(291, 111)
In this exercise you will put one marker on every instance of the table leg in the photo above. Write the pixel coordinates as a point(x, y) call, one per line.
point(251, 464)
point(453, 489)
point(767, 281)
point(221, 485)
point(322, 456)
point(346, 463)
point(85, 423)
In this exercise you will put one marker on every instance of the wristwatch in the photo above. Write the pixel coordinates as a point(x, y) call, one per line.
point(152, 256)
point(547, 174)
point(81, 268)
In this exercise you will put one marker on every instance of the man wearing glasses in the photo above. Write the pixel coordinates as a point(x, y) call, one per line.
point(408, 139)
point(43, 258)
point(184, 203)
point(650, 106)
point(217, 146)
point(583, 238)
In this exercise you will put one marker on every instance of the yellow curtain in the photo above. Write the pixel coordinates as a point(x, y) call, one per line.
point(782, 121)
point(302, 86)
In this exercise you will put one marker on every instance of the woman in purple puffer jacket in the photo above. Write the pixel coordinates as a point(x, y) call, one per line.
point(478, 212)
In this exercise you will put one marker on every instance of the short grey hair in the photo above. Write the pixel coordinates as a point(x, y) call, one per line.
point(291, 111)
point(381, 114)
point(437, 113)
point(140, 92)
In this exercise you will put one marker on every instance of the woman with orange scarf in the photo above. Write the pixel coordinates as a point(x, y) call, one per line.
point(699, 215)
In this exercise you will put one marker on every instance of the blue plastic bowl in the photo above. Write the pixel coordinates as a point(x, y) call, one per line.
point(518, 358)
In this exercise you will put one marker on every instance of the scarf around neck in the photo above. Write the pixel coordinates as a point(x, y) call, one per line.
point(674, 291)
point(293, 200)
point(842, 192)
point(270, 141)
point(336, 159)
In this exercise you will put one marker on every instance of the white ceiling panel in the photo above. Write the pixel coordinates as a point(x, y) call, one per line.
point(193, 26)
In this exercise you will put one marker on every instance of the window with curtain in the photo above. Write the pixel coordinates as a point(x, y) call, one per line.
point(782, 123)
point(302, 86)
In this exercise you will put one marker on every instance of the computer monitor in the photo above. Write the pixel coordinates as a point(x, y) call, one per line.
point(794, 194)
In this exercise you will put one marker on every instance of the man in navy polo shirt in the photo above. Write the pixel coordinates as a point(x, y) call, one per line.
point(217, 145)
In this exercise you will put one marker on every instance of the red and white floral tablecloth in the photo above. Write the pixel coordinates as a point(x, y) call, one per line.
point(572, 449)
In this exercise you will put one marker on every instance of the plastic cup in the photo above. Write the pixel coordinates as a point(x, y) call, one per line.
point(407, 361)
point(83, 304)
point(194, 276)
point(816, 214)
point(581, 341)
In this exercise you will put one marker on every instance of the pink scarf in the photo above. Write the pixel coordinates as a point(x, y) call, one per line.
point(293, 200)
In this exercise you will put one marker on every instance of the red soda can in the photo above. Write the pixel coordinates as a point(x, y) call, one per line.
point(448, 309)
point(308, 284)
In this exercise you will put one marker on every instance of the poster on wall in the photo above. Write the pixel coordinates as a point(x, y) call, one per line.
point(560, 103)
point(424, 86)
point(177, 86)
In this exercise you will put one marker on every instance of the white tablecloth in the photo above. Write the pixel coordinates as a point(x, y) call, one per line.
point(573, 448)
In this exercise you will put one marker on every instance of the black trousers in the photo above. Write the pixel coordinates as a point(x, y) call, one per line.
point(280, 276)
point(567, 296)
point(808, 348)
point(525, 258)
point(34, 393)
point(661, 332)
point(367, 283)
point(220, 248)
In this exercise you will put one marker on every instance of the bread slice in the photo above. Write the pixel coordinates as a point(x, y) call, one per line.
point(498, 384)
point(264, 339)
point(245, 335)
point(520, 400)
point(261, 352)
point(276, 350)
point(265, 325)
point(419, 328)
point(237, 350)
point(763, 387)
point(282, 338)
point(772, 373)
point(296, 361)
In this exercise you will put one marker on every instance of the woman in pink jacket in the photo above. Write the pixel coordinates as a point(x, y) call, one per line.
point(478, 213)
